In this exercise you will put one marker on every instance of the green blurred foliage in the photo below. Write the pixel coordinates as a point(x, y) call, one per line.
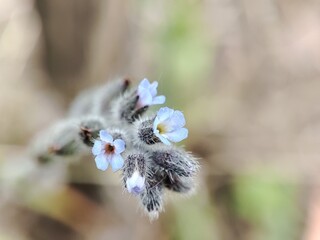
point(183, 59)
point(269, 204)
point(193, 219)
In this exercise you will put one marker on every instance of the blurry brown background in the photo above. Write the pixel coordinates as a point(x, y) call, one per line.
point(246, 75)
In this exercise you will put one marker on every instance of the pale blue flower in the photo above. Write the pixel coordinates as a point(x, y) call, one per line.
point(168, 126)
point(147, 93)
point(136, 183)
point(107, 151)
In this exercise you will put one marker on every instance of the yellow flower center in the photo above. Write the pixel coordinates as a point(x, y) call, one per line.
point(161, 128)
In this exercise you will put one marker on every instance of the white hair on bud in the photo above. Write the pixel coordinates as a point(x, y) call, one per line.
point(60, 139)
point(102, 101)
point(97, 100)
point(123, 106)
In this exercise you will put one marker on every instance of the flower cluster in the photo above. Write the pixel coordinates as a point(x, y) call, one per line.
point(112, 125)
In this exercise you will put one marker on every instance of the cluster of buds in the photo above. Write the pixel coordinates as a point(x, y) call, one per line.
point(109, 121)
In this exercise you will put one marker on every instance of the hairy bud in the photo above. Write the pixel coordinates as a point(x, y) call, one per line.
point(134, 172)
point(125, 108)
point(151, 198)
point(89, 129)
point(106, 94)
point(97, 100)
point(145, 133)
point(179, 184)
point(176, 161)
point(60, 140)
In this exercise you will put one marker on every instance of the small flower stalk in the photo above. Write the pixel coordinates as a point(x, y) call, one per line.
point(109, 121)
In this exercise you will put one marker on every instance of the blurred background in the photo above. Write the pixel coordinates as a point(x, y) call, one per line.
point(246, 75)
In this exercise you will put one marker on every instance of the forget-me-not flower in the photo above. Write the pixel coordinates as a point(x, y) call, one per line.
point(136, 183)
point(168, 126)
point(108, 151)
point(147, 93)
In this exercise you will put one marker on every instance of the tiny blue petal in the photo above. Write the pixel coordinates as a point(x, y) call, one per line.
point(97, 147)
point(153, 88)
point(177, 135)
point(136, 183)
point(116, 162)
point(136, 190)
point(145, 98)
point(158, 100)
point(164, 113)
point(119, 145)
point(144, 83)
point(164, 140)
point(101, 162)
point(175, 121)
point(155, 125)
point(105, 136)
point(147, 93)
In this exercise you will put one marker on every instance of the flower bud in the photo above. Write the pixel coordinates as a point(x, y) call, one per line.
point(89, 129)
point(136, 183)
point(124, 108)
point(60, 140)
point(175, 161)
point(151, 198)
point(146, 134)
point(98, 100)
point(179, 184)
point(134, 172)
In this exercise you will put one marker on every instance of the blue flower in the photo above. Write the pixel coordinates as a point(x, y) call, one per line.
point(147, 93)
point(168, 126)
point(108, 151)
point(136, 183)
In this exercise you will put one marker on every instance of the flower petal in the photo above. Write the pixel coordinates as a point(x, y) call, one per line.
point(105, 136)
point(155, 124)
point(97, 147)
point(119, 145)
point(162, 138)
point(137, 190)
point(164, 113)
point(144, 83)
point(116, 162)
point(147, 93)
point(153, 88)
point(136, 183)
point(140, 182)
point(101, 162)
point(159, 100)
point(177, 135)
point(175, 121)
point(178, 118)
point(134, 177)
point(145, 98)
